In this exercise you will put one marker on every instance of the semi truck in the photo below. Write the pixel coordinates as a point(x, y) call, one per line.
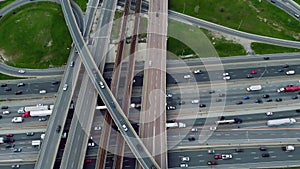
point(277, 122)
point(35, 108)
point(254, 88)
point(1, 140)
point(37, 113)
point(175, 125)
point(288, 89)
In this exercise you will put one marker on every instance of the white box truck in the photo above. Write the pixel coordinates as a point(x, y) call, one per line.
point(17, 120)
point(36, 143)
point(175, 125)
point(254, 88)
point(277, 122)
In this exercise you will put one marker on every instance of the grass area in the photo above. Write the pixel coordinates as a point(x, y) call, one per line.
point(297, 1)
point(192, 40)
point(6, 77)
point(35, 36)
point(252, 16)
point(82, 4)
point(116, 25)
point(5, 3)
point(261, 48)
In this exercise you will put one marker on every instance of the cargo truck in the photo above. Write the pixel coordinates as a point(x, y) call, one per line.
point(288, 89)
point(254, 88)
point(38, 113)
point(34, 108)
point(175, 125)
point(36, 143)
point(281, 121)
point(1, 140)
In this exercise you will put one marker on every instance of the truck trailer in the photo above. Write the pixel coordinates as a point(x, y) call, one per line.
point(288, 89)
point(254, 88)
point(37, 113)
point(281, 121)
point(35, 108)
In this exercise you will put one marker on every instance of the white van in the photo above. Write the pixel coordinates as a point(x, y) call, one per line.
point(17, 120)
point(43, 91)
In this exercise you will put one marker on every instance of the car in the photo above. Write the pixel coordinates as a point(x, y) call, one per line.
point(29, 133)
point(218, 100)
point(286, 66)
point(20, 84)
point(290, 72)
point(17, 150)
point(42, 91)
point(91, 144)
point(296, 15)
point(202, 105)
point(211, 91)
point(294, 97)
point(97, 128)
point(4, 107)
point(171, 108)
point(194, 129)
point(101, 85)
point(169, 95)
point(9, 135)
point(226, 74)
point(211, 151)
point(269, 100)
point(239, 102)
point(0, 116)
point(262, 149)
point(42, 119)
point(278, 99)
point(246, 97)
point(9, 146)
point(7, 89)
point(239, 150)
point(212, 163)
point(195, 101)
point(266, 96)
point(191, 139)
point(72, 63)
point(253, 72)
point(226, 77)
point(21, 71)
point(124, 127)
point(198, 71)
point(218, 156)
point(15, 166)
point(6, 112)
point(269, 113)
point(280, 70)
point(3, 85)
point(257, 101)
point(290, 85)
point(267, 58)
point(185, 159)
point(9, 140)
point(187, 76)
point(183, 165)
point(238, 120)
point(221, 95)
point(18, 92)
point(55, 82)
point(226, 156)
point(249, 76)
point(58, 128)
point(88, 161)
point(65, 87)
point(181, 102)
point(212, 128)
point(265, 155)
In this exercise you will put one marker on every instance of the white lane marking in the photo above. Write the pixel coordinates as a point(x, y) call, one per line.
point(273, 156)
point(237, 158)
point(255, 158)
point(253, 152)
point(199, 155)
point(290, 155)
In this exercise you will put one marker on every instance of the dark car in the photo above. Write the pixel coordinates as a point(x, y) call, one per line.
point(278, 99)
point(239, 150)
point(58, 128)
point(267, 58)
point(239, 102)
point(191, 139)
point(18, 92)
point(262, 149)
point(258, 101)
point(212, 163)
point(265, 155)
point(0, 116)
point(221, 95)
point(238, 120)
point(295, 97)
point(10, 146)
point(280, 70)
point(211, 91)
point(30, 134)
point(181, 102)
point(266, 96)
point(7, 89)
point(202, 105)
point(286, 66)
point(269, 100)
point(4, 107)
point(9, 140)
point(3, 85)
point(298, 110)
point(249, 76)
point(55, 82)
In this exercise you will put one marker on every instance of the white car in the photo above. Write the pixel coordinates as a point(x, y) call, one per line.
point(65, 87)
point(97, 128)
point(195, 101)
point(187, 76)
point(211, 151)
point(17, 120)
point(213, 128)
point(226, 77)
point(125, 127)
point(269, 113)
point(6, 112)
point(194, 129)
point(225, 74)
point(92, 144)
point(171, 108)
point(184, 165)
point(185, 159)
point(43, 91)
point(101, 85)
point(197, 71)
point(21, 71)
point(226, 156)
point(290, 72)
point(169, 95)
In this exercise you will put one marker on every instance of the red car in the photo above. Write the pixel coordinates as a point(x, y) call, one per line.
point(88, 161)
point(253, 72)
point(212, 163)
point(9, 135)
point(218, 156)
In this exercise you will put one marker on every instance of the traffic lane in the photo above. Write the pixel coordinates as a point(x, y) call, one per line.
point(200, 158)
point(22, 165)
point(29, 87)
